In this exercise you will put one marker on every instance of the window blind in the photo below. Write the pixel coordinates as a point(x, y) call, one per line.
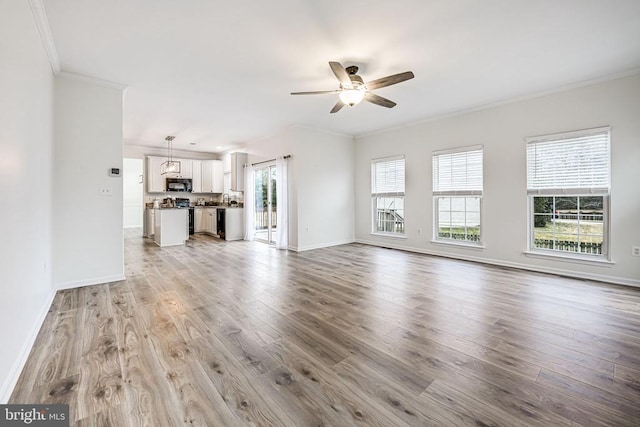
point(457, 172)
point(575, 163)
point(387, 177)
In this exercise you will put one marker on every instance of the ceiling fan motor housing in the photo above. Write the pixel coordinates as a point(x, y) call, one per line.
point(356, 80)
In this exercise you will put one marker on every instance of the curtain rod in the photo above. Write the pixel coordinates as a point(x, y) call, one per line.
point(272, 160)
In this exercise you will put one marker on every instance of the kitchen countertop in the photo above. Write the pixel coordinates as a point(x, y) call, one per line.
point(198, 207)
point(220, 207)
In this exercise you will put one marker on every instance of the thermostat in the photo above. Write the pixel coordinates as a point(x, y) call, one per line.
point(114, 172)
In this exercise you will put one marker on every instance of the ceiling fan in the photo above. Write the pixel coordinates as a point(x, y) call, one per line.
point(353, 89)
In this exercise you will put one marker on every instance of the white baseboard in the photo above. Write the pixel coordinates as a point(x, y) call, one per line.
point(88, 282)
point(320, 246)
point(540, 269)
point(18, 366)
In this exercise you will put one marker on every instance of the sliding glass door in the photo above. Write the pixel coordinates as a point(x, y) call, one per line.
point(266, 206)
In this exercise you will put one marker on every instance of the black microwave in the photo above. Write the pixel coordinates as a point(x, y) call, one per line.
point(179, 184)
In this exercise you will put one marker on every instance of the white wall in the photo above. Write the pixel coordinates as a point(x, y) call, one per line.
point(26, 158)
point(502, 130)
point(88, 235)
point(325, 180)
point(132, 191)
point(321, 184)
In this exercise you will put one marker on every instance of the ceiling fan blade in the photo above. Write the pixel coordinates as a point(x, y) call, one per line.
point(340, 73)
point(390, 80)
point(337, 107)
point(378, 100)
point(318, 92)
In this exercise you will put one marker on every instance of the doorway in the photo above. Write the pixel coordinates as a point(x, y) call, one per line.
point(265, 221)
point(132, 192)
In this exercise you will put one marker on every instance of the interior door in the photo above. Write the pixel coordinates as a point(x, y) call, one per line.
point(265, 203)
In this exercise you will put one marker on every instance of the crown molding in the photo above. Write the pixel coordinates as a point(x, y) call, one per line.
point(42, 23)
point(91, 80)
point(508, 101)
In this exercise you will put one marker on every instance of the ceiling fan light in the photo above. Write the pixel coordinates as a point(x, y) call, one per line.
point(351, 97)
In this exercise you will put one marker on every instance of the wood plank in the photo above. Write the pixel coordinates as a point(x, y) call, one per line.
point(469, 409)
point(301, 373)
point(246, 349)
point(392, 395)
point(236, 385)
point(101, 384)
point(145, 380)
point(609, 408)
point(235, 333)
point(349, 345)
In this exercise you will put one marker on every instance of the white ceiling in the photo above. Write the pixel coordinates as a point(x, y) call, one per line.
point(218, 73)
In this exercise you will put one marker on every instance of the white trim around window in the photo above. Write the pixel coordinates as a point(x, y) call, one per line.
point(457, 196)
point(387, 196)
point(568, 180)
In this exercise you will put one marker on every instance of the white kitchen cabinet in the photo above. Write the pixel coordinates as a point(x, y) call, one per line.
point(234, 224)
point(238, 160)
point(212, 176)
point(200, 215)
point(210, 218)
point(206, 175)
point(170, 227)
point(196, 176)
point(149, 222)
point(185, 169)
point(218, 176)
point(155, 180)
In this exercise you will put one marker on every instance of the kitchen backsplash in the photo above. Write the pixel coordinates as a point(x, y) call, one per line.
point(193, 198)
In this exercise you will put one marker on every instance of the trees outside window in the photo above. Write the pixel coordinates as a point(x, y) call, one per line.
point(568, 187)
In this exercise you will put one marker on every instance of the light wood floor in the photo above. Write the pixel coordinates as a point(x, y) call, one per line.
point(238, 334)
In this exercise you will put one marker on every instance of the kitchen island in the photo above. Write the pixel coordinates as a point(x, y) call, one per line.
point(171, 226)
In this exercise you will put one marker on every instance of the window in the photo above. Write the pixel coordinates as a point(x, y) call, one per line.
point(568, 188)
point(387, 195)
point(457, 194)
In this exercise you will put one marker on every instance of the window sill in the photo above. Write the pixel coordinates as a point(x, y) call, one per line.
point(393, 235)
point(579, 259)
point(477, 246)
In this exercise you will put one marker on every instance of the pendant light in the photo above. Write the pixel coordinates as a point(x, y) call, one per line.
point(170, 166)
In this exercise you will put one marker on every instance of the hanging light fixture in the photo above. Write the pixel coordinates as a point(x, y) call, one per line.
point(170, 166)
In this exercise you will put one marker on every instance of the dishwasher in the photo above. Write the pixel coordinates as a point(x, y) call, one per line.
point(220, 219)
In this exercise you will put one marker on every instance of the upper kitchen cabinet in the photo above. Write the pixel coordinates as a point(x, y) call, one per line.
point(155, 180)
point(238, 160)
point(186, 169)
point(212, 176)
point(206, 175)
point(196, 175)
